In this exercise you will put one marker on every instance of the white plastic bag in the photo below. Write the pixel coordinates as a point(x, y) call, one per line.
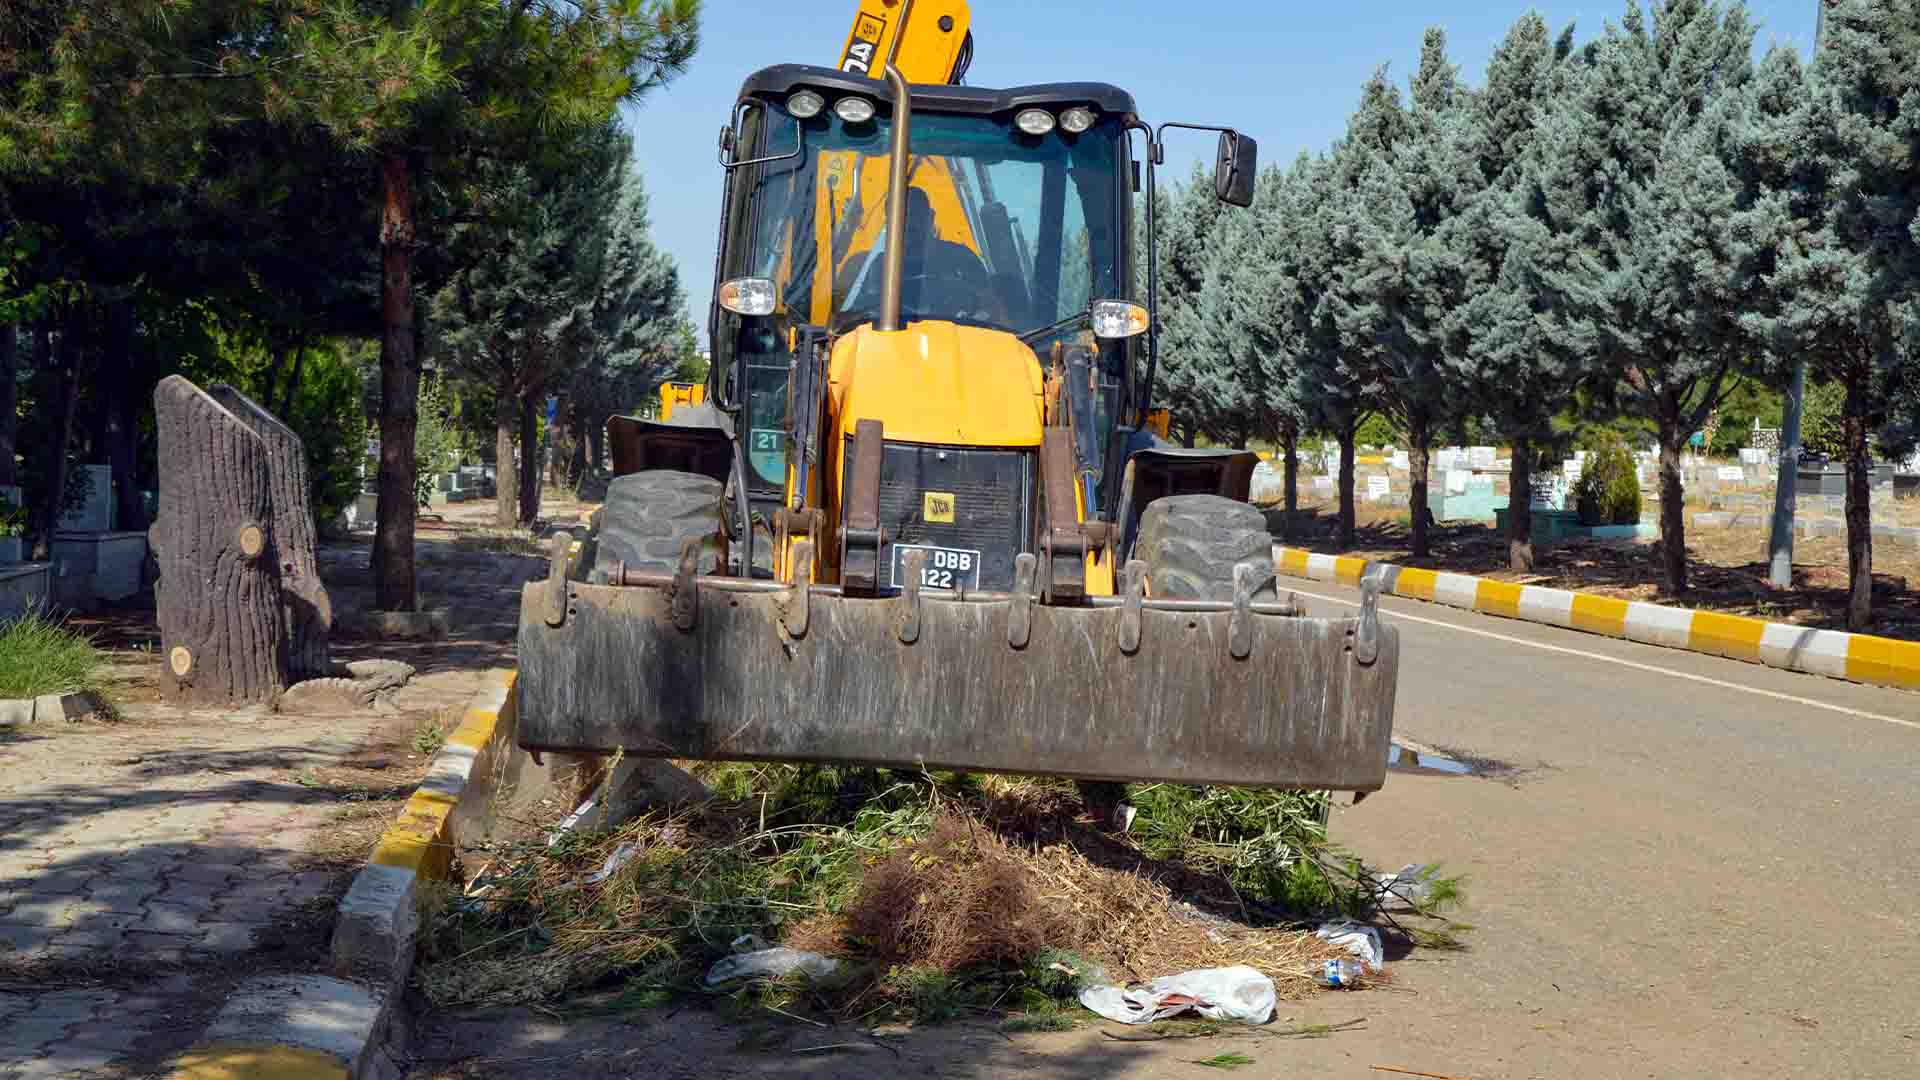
point(1229, 993)
point(770, 964)
point(1360, 940)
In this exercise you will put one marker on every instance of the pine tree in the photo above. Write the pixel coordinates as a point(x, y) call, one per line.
point(519, 313)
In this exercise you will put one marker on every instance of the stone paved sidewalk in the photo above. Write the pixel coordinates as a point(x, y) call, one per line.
point(148, 863)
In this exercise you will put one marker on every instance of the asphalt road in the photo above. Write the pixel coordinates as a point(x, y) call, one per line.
point(1688, 867)
point(1702, 868)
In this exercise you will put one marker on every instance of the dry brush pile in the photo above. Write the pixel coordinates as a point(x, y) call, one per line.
point(937, 894)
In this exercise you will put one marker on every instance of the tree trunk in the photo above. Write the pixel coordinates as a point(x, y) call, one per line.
point(1859, 508)
point(222, 637)
point(1520, 507)
point(1344, 533)
point(394, 586)
point(293, 380)
point(306, 611)
point(506, 417)
point(118, 416)
point(529, 458)
point(66, 403)
point(9, 402)
point(1290, 474)
point(596, 447)
point(1420, 436)
point(1673, 495)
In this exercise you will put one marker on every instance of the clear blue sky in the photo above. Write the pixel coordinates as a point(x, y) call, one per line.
point(1289, 79)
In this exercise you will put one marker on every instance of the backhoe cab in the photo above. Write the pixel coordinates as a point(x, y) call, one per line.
point(922, 519)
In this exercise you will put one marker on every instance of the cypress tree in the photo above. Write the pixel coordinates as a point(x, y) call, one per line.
point(1838, 180)
point(1497, 353)
point(1639, 267)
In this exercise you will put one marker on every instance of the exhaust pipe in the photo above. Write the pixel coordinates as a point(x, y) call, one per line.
point(894, 270)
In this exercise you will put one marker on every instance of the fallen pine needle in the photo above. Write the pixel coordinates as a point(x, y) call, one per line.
point(830, 1046)
point(1417, 1072)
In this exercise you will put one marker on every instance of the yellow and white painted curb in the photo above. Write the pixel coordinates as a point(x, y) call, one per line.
point(378, 917)
point(1857, 657)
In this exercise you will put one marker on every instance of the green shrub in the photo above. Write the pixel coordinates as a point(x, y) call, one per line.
point(13, 519)
point(1609, 490)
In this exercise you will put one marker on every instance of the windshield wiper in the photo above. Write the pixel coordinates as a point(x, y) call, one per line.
point(1051, 327)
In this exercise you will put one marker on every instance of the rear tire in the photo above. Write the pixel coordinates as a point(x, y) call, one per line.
point(649, 517)
point(1191, 543)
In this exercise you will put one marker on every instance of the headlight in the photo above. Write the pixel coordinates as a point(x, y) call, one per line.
point(854, 110)
point(747, 296)
point(1077, 119)
point(805, 105)
point(1034, 121)
point(1118, 319)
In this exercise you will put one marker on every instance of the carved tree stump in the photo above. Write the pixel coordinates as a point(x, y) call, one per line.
point(218, 599)
point(308, 612)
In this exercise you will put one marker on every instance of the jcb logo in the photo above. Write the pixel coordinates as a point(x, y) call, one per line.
point(937, 507)
point(867, 32)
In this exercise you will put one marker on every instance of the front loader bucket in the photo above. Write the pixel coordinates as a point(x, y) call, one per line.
point(1191, 692)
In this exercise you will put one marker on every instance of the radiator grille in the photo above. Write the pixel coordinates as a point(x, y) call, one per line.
point(992, 501)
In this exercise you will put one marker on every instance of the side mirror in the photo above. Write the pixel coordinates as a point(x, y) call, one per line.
point(726, 145)
point(1235, 167)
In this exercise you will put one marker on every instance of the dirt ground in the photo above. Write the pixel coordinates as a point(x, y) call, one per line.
point(1728, 566)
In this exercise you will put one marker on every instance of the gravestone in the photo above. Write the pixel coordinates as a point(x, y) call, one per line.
point(1323, 485)
point(1732, 474)
point(1482, 457)
point(1457, 481)
point(1377, 488)
point(1402, 461)
point(96, 514)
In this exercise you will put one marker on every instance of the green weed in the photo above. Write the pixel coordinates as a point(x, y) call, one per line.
point(428, 738)
point(1228, 1060)
point(38, 656)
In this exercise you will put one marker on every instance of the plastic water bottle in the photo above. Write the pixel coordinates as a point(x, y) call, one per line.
point(1341, 974)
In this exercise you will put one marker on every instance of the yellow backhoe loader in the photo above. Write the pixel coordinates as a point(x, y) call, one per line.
point(924, 517)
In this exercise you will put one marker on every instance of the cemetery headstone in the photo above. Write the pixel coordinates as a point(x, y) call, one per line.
point(1323, 485)
point(96, 514)
point(1732, 474)
point(1401, 461)
point(1457, 481)
point(1377, 488)
point(1482, 457)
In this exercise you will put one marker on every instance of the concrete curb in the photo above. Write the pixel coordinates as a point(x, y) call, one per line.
point(299, 1027)
point(47, 708)
point(379, 917)
point(1859, 658)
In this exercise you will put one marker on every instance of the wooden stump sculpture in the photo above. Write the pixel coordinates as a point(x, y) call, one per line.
point(226, 631)
point(308, 615)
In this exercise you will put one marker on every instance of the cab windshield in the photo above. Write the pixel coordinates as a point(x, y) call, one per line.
point(1004, 229)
